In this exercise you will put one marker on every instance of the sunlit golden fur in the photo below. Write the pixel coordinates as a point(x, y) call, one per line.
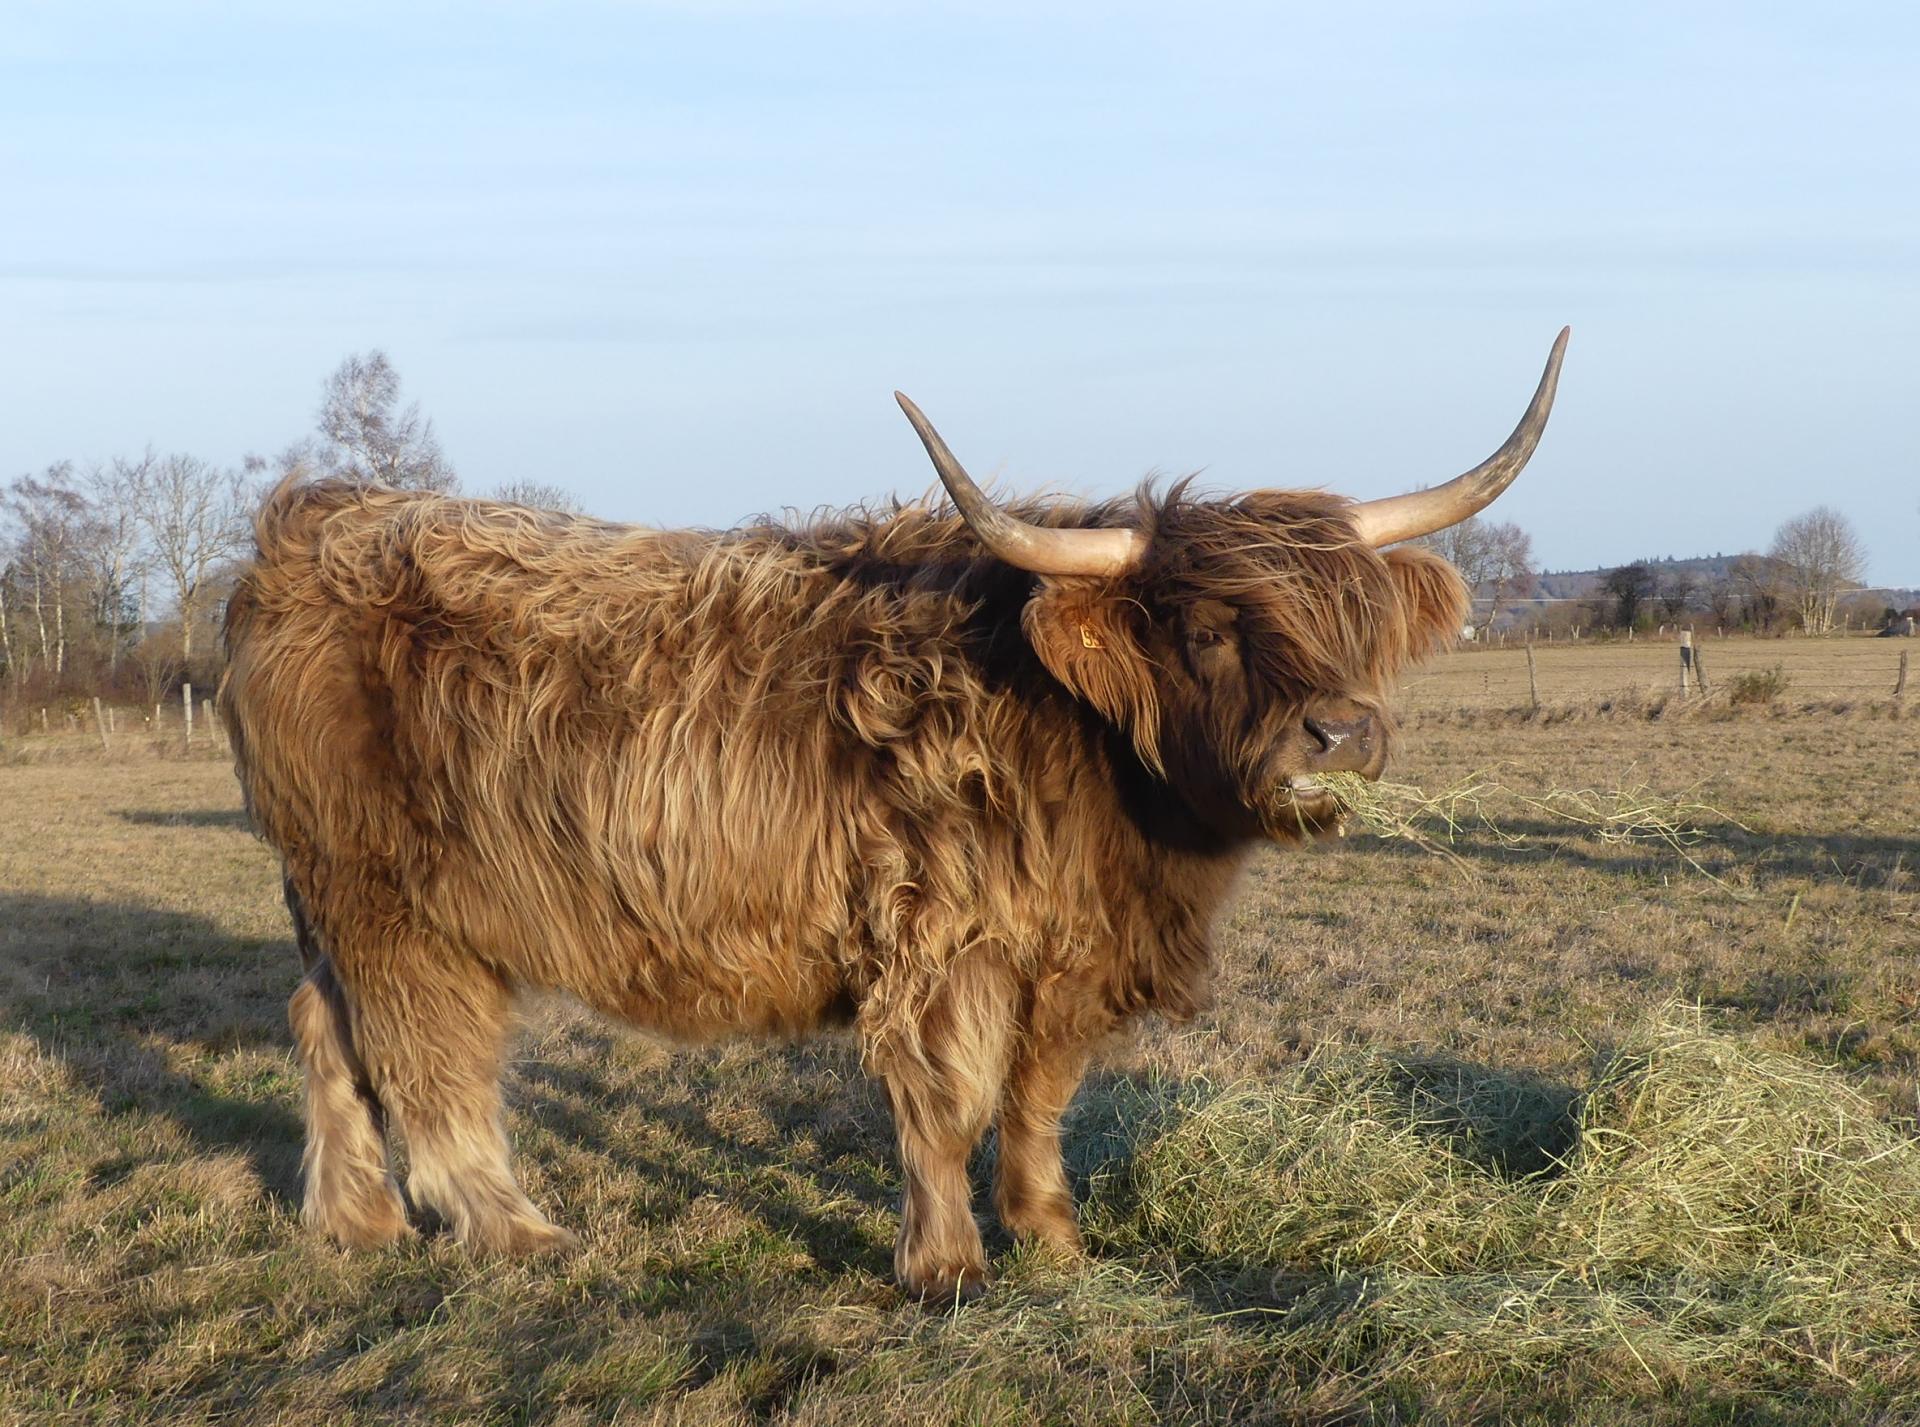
point(767, 779)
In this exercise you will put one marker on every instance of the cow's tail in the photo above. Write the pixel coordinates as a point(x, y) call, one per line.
point(285, 527)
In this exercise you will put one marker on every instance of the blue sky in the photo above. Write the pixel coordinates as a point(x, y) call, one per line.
point(676, 257)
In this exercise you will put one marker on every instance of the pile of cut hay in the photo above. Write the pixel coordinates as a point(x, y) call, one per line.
point(1703, 1210)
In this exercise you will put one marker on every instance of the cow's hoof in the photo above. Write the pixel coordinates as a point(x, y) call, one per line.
point(540, 1239)
point(1055, 1233)
point(375, 1222)
point(520, 1238)
point(947, 1287)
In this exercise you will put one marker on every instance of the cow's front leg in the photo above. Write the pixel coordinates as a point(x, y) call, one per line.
point(942, 1081)
point(1030, 1180)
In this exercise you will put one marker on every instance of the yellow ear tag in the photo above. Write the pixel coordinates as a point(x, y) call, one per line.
point(1089, 638)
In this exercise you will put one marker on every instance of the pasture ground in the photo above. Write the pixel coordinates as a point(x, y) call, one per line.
point(736, 1203)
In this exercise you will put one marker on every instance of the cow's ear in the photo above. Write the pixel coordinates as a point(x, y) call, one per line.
point(1433, 599)
point(1083, 631)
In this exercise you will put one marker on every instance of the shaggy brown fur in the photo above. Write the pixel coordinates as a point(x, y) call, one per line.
point(773, 778)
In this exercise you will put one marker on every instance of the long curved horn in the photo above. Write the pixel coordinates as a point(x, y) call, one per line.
point(1403, 517)
point(1039, 548)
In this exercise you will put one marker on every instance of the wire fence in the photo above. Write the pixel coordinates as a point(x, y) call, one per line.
point(185, 724)
point(1855, 669)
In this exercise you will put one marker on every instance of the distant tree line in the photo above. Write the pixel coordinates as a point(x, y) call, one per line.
point(1808, 579)
point(113, 573)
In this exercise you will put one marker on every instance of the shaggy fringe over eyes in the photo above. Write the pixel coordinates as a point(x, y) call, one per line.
point(1322, 611)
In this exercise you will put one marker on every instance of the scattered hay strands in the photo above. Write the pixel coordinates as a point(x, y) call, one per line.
point(1433, 821)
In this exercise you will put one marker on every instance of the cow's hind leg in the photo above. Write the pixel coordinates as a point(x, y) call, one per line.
point(303, 933)
point(350, 1190)
point(430, 1026)
point(942, 1097)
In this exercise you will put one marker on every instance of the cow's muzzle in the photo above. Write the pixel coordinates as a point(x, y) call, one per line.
point(1345, 745)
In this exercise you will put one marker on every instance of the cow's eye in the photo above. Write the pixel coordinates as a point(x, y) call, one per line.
point(1204, 638)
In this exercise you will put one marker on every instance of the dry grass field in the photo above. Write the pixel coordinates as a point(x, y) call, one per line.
point(1447, 1150)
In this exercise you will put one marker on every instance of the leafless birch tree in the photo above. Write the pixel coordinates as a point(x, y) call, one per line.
point(1495, 559)
point(366, 436)
point(1821, 557)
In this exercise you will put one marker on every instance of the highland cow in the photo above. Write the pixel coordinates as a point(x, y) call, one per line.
point(975, 780)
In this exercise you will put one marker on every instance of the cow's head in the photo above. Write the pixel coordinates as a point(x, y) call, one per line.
point(1246, 646)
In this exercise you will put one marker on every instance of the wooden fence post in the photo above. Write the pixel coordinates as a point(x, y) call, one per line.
point(100, 723)
point(186, 709)
point(43, 720)
point(1533, 679)
point(1900, 684)
point(1686, 660)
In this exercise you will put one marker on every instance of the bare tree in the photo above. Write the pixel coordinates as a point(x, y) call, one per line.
point(1756, 579)
point(1631, 587)
point(1722, 598)
point(158, 665)
point(195, 519)
point(1496, 560)
point(1676, 591)
point(117, 556)
point(1822, 557)
point(9, 665)
point(54, 523)
point(539, 496)
point(12, 581)
point(365, 436)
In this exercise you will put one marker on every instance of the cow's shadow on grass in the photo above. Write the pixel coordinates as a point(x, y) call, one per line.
point(235, 818)
point(141, 1005)
point(817, 1167)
